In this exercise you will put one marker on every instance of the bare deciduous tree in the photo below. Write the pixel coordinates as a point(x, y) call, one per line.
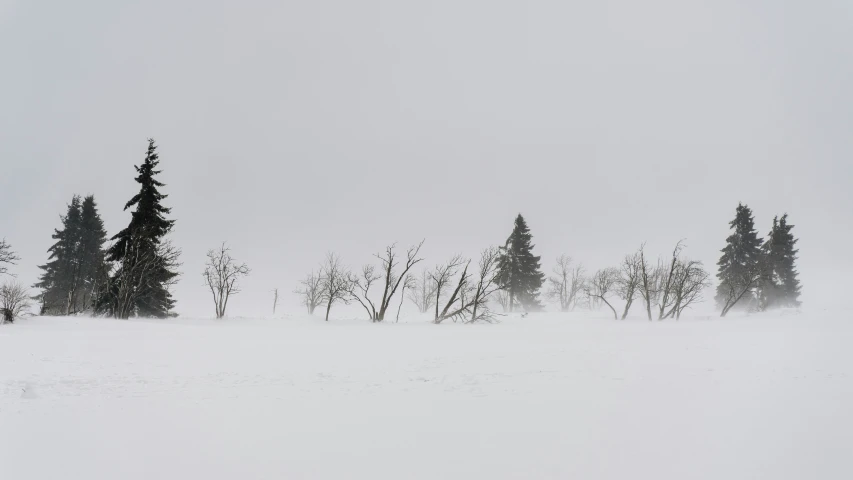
point(442, 276)
point(391, 278)
point(334, 282)
point(502, 297)
point(469, 300)
point(310, 291)
point(422, 293)
point(566, 283)
point(408, 285)
point(359, 289)
point(664, 278)
point(14, 301)
point(221, 274)
point(274, 300)
point(131, 279)
point(690, 281)
point(739, 285)
point(648, 281)
point(601, 285)
point(487, 284)
point(629, 281)
point(7, 257)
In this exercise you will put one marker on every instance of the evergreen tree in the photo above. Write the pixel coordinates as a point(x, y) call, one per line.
point(741, 259)
point(781, 257)
point(59, 274)
point(140, 284)
point(519, 271)
point(93, 265)
point(76, 261)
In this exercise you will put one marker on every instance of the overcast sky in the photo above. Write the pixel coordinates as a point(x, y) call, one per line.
point(293, 128)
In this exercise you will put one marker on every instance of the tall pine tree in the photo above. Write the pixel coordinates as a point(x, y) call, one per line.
point(93, 265)
point(519, 271)
point(140, 283)
point(781, 256)
point(76, 262)
point(741, 262)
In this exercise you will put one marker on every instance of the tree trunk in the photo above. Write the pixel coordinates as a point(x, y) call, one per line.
point(615, 316)
point(627, 307)
point(328, 307)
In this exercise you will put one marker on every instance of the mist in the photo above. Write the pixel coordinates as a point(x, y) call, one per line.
point(291, 129)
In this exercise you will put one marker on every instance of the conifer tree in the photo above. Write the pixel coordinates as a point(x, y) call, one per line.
point(741, 264)
point(76, 261)
point(139, 286)
point(93, 264)
point(781, 256)
point(59, 276)
point(519, 271)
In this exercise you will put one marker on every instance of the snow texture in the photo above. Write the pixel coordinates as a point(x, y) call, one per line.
point(547, 396)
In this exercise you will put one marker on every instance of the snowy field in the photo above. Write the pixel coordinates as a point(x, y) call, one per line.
point(548, 396)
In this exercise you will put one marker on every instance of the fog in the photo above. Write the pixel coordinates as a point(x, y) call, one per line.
point(290, 129)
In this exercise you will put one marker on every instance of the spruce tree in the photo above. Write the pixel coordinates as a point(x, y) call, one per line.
point(60, 273)
point(76, 261)
point(741, 260)
point(93, 264)
point(781, 256)
point(519, 271)
point(146, 288)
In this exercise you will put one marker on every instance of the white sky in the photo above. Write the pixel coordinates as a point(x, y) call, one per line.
point(292, 128)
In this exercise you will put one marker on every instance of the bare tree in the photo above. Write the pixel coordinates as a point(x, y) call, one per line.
point(14, 301)
point(648, 281)
point(629, 281)
point(334, 282)
point(502, 297)
point(566, 283)
point(442, 276)
point(392, 279)
point(487, 284)
point(274, 300)
point(469, 300)
point(7, 257)
point(689, 283)
point(221, 274)
point(602, 284)
point(408, 285)
point(359, 289)
point(739, 285)
point(422, 293)
point(665, 278)
point(310, 290)
point(131, 280)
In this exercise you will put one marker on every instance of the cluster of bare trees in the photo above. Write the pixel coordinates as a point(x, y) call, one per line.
point(665, 289)
point(454, 290)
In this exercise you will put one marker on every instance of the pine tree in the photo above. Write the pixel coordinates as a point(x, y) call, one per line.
point(94, 267)
point(519, 271)
point(781, 257)
point(59, 277)
point(140, 284)
point(75, 262)
point(741, 262)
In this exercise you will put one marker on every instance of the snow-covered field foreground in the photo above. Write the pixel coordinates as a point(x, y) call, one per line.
point(549, 396)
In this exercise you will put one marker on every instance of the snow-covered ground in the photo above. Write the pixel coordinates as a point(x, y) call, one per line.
point(547, 396)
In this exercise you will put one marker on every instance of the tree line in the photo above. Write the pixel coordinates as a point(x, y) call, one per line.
point(134, 274)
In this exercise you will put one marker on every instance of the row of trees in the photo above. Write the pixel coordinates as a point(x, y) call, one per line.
point(510, 276)
point(132, 276)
